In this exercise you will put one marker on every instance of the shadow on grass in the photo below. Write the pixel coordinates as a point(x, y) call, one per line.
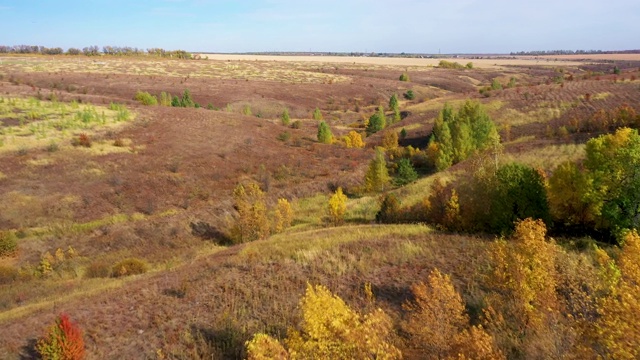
point(28, 351)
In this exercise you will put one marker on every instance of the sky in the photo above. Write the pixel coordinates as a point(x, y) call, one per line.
point(393, 26)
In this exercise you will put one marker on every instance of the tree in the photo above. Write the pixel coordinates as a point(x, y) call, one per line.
point(495, 85)
point(519, 194)
point(617, 329)
point(377, 121)
point(409, 95)
point(523, 302)
point(439, 325)
point(612, 162)
point(393, 102)
point(406, 174)
point(324, 133)
point(354, 140)
point(337, 207)
point(390, 140)
point(285, 117)
point(63, 341)
point(251, 222)
point(187, 101)
point(330, 329)
point(377, 176)
point(389, 210)
point(317, 114)
point(283, 216)
point(570, 194)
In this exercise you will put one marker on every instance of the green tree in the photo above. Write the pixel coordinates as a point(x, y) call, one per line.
point(317, 114)
point(406, 173)
point(612, 162)
point(377, 121)
point(175, 102)
point(519, 194)
point(495, 85)
point(285, 117)
point(409, 95)
point(187, 101)
point(393, 102)
point(377, 176)
point(571, 193)
point(324, 133)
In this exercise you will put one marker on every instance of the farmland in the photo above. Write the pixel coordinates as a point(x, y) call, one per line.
point(90, 177)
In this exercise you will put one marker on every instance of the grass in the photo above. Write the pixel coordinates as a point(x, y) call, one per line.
point(301, 246)
point(34, 124)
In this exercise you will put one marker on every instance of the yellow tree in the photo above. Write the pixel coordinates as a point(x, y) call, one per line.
point(283, 216)
point(439, 325)
point(523, 303)
point(337, 207)
point(377, 176)
point(354, 140)
point(330, 329)
point(251, 222)
point(617, 329)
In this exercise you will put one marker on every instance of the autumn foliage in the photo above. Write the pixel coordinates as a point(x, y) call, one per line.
point(63, 341)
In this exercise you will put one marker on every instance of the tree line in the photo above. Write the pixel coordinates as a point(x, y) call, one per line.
point(95, 51)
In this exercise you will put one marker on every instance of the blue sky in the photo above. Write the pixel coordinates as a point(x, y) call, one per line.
point(425, 26)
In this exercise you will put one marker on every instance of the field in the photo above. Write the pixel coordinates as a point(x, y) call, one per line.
point(89, 176)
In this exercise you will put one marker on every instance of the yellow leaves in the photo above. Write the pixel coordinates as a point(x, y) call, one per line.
point(337, 207)
point(439, 325)
point(618, 328)
point(330, 329)
point(252, 222)
point(264, 347)
point(354, 140)
point(390, 140)
point(283, 215)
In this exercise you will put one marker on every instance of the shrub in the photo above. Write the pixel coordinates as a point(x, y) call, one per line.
point(63, 341)
point(285, 117)
point(186, 101)
point(251, 222)
point(324, 133)
point(165, 99)
point(145, 98)
point(377, 121)
point(317, 114)
point(337, 207)
point(409, 95)
point(98, 269)
point(390, 210)
point(406, 173)
point(175, 102)
point(131, 266)
point(8, 243)
point(296, 124)
point(8, 274)
point(495, 85)
point(246, 110)
point(450, 65)
point(404, 77)
point(82, 140)
point(284, 136)
point(354, 140)
point(469, 65)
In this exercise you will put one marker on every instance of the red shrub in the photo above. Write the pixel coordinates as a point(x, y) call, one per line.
point(63, 341)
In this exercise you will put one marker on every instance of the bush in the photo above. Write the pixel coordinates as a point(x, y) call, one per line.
point(131, 266)
point(98, 269)
point(63, 341)
point(145, 98)
point(406, 173)
point(390, 210)
point(324, 133)
point(409, 95)
point(296, 124)
point(317, 114)
point(8, 274)
point(404, 77)
point(82, 140)
point(450, 65)
point(8, 243)
point(285, 117)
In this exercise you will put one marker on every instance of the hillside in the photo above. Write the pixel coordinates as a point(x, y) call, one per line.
point(90, 177)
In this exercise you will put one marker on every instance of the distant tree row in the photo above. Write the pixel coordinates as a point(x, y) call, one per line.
point(95, 51)
point(572, 52)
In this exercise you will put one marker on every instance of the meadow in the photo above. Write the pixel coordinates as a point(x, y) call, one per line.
point(122, 215)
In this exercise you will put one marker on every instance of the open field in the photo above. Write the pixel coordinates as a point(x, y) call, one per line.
point(91, 177)
point(494, 62)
